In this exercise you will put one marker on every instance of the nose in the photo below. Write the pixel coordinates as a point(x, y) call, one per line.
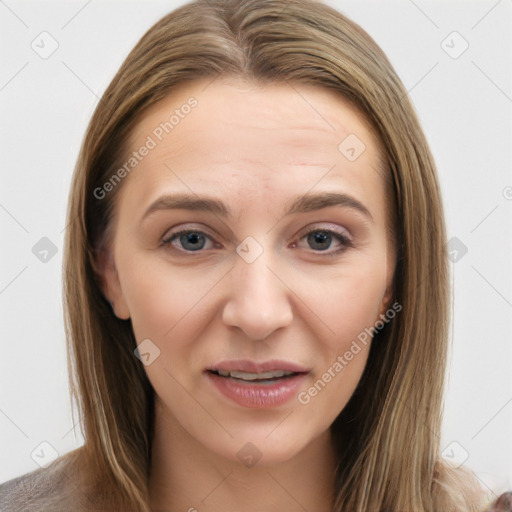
point(258, 302)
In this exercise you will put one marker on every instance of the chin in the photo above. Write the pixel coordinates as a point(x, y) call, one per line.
point(264, 447)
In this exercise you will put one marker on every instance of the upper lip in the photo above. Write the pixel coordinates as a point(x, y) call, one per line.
point(246, 365)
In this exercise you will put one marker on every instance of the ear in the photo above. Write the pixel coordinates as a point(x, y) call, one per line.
point(389, 292)
point(386, 299)
point(109, 281)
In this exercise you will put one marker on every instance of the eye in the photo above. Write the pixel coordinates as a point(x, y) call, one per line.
point(189, 240)
point(322, 240)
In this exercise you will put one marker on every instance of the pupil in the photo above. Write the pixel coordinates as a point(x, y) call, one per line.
point(319, 240)
point(192, 241)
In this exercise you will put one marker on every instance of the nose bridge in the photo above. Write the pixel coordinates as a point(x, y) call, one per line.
point(258, 302)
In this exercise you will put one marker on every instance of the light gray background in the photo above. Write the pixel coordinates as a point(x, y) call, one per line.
point(464, 104)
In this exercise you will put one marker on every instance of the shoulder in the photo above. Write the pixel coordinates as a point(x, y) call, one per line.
point(458, 488)
point(59, 487)
point(502, 503)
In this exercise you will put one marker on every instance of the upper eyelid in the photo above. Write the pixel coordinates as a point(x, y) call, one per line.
point(312, 227)
point(342, 231)
point(184, 229)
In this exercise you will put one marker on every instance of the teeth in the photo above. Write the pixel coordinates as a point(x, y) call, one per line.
point(254, 376)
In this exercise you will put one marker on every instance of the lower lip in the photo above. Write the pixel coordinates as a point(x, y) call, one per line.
point(258, 396)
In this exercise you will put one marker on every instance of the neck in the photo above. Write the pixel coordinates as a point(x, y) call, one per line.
point(185, 476)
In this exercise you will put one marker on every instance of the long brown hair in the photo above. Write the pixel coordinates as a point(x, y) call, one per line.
point(388, 436)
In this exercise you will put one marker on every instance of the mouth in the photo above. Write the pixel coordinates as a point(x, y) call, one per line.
point(257, 385)
point(254, 378)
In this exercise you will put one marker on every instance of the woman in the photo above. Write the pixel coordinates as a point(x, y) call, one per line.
point(255, 279)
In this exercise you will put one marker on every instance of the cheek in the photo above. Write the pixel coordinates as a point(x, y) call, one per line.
point(342, 303)
point(344, 310)
point(163, 298)
point(330, 389)
point(348, 308)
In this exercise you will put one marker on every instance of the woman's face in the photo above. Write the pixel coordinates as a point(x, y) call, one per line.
point(250, 254)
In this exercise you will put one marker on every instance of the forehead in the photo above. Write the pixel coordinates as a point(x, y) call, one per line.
point(242, 139)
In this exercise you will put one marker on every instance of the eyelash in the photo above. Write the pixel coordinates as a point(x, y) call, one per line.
point(344, 240)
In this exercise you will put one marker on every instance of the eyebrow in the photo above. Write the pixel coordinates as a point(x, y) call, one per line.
point(307, 203)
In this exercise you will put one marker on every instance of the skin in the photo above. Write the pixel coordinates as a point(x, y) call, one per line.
point(255, 147)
